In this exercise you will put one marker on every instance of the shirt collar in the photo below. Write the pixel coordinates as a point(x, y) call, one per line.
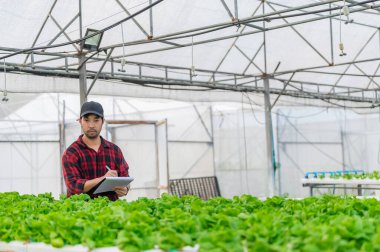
point(104, 143)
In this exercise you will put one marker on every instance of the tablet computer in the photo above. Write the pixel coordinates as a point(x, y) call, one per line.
point(108, 183)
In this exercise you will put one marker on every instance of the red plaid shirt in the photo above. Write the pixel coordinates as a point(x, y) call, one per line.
point(81, 163)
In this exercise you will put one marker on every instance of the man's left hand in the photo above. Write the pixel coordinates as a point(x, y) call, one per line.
point(121, 190)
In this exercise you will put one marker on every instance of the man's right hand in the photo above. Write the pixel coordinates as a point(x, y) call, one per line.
point(89, 184)
point(111, 173)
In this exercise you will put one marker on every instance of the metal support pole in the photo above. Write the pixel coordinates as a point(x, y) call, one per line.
point(157, 161)
point(264, 43)
point(278, 152)
point(151, 20)
point(212, 140)
point(62, 140)
point(343, 157)
point(269, 137)
point(245, 144)
point(82, 79)
point(66, 65)
point(167, 154)
point(80, 19)
point(236, 10)
point(82, 63)
point(331, 38)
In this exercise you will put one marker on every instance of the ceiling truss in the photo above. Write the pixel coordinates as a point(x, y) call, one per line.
point(212, 79)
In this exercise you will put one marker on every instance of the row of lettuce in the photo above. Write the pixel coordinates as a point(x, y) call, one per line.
point(245, 223)
point(348, 175)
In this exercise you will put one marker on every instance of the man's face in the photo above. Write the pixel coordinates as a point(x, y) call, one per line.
point(91, 125)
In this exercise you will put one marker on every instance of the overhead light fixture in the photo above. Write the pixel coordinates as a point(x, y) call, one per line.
point(92, 43)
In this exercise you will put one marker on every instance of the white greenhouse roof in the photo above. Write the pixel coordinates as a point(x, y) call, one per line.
point(177, 48)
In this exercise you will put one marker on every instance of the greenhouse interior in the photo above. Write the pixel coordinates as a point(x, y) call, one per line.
point(247, 125)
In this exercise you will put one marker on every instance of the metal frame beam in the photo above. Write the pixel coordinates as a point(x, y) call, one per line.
point(167, 37)
point(229, 24)
point(321, 15)
point(218, 79)
point(250, 86)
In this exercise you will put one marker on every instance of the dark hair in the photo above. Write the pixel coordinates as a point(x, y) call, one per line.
point(87, 115)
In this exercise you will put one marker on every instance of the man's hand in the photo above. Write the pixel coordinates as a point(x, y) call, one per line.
point(111, 173)
point(121, 190)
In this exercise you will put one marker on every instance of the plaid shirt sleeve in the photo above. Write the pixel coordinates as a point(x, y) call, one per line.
point(74, 181)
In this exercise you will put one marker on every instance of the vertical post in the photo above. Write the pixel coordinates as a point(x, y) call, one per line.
point(66, 65)
point(331, 38)
point(151, 19)
point(236, 10)
point(113, 108)
point(82, 58)
point(82, 79)
point(167, 153)
point(360, 190)
point(60, 145)
point(107, 128)
point(245, 144)
point(62, 139)
point(32, 60)
point(157, 161)
point(268, 119)
point(160, 131)
point(113, 134)
point(264, 41)
point(212, 141)
point(343, 156)
point(278, 151)
point(311, 190)
point(269, 137)
point(112, 68)
point(80, 18)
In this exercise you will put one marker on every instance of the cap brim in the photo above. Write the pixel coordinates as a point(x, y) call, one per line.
point(91, 112)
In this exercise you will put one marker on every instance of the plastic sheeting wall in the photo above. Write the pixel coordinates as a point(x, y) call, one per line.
point(327, 141)
point(190, 142)
point(240, 152)
point(30, 167)
point(202, 140)
point(144, 148)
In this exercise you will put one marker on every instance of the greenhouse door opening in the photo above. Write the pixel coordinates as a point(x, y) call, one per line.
point(144, 144)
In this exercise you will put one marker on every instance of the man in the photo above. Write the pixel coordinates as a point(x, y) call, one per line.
point(91, 158)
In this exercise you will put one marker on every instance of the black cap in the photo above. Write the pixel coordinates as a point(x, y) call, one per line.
point(91, 108)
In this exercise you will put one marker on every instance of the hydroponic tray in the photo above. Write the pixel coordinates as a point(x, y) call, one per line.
point(340, 181)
